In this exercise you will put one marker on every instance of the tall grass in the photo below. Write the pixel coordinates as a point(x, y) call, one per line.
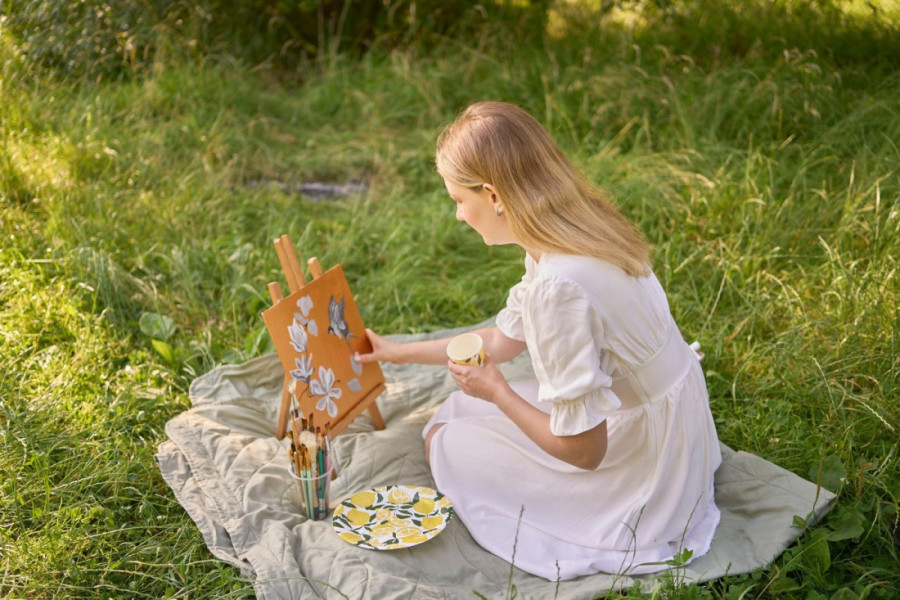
point(766, 173)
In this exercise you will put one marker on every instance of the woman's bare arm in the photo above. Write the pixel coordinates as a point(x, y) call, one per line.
point(434, 352)
point(584, 450)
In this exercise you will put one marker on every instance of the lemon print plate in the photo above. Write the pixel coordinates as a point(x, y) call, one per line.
point(392, 517)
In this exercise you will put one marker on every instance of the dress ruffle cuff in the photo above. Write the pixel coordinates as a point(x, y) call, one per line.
point(571, 417)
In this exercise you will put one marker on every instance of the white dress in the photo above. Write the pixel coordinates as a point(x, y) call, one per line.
point(603, 346)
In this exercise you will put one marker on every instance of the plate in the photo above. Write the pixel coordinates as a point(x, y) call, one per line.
point(392, 517)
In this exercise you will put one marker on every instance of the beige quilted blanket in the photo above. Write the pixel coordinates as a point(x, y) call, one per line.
point(226, 468)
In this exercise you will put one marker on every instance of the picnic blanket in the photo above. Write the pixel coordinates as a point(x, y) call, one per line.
point(226, 468)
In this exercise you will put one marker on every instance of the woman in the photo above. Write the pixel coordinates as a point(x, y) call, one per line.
point(605, 463)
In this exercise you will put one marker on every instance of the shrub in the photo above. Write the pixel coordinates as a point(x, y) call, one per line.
point(100, 38)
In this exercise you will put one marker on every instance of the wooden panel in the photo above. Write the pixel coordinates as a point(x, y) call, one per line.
point(316, 331)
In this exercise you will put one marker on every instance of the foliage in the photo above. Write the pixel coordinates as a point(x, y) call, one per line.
point(98, 38)
point(91, 37)
point(137, 215)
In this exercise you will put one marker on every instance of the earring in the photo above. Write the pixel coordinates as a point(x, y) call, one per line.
point(498, 212)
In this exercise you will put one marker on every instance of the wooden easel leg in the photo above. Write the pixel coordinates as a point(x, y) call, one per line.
point(285, 409)
point(377, 420)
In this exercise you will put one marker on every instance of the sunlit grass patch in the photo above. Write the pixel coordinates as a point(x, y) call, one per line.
point(767, 178)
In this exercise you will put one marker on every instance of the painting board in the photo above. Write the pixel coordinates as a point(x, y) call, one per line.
point(316, 331)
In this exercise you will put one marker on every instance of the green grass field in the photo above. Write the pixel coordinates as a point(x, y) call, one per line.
point(759, 150)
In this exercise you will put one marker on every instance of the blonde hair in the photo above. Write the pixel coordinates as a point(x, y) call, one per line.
point(548, 203)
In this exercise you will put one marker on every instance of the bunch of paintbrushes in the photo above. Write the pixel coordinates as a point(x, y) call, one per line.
point(311, 463)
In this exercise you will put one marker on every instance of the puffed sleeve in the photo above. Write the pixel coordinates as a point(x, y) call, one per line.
point(565, 357)
point(509, 319)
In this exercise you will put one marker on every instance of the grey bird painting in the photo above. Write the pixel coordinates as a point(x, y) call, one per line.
point(337, 324)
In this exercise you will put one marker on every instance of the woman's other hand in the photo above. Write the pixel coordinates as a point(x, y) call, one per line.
point(485, 382)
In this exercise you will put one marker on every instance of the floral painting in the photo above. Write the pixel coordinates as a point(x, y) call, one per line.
point(320, 384)
point(316, 331)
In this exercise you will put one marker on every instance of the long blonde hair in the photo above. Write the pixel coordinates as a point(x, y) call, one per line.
point(548, 203)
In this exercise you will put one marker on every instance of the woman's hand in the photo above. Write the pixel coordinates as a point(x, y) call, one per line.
point(485, 382)
point(383, 350)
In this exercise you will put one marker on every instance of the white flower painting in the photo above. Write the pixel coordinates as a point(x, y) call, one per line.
point(305, 304)
point(298, 337)
point(304, 370)
point(324, 387)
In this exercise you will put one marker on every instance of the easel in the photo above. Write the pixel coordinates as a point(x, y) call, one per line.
point(279, 314)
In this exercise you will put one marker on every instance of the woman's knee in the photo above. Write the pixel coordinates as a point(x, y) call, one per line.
point(434, 429)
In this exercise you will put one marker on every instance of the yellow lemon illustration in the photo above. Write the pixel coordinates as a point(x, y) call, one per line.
point(407, 531)
point(432, 522)
point(382, 514)
point(363, 499)
point(399, 496)
point(339, 510)
point(417, 538)
point(444, 502)
point(424, 506)
point(398, 522)
point(358, 517)
point(349, 536)
point(382, 530)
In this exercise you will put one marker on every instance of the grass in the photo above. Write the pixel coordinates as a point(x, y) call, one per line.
point(766, 173)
